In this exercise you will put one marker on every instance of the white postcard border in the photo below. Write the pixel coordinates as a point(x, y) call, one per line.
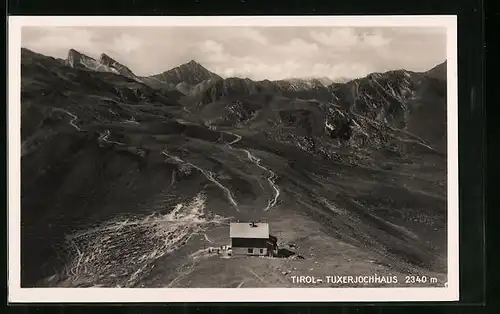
point(16, 294)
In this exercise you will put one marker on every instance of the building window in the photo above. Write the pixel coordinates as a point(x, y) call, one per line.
point(250, 251)
point(261, 251)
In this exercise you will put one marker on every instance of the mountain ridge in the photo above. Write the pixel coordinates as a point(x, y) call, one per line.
point(191, 78)
point(105, 63)
point(382, 96)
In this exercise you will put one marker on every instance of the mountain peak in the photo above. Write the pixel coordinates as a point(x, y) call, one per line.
point(192, 64)
point(191, 73)
point(72, 53)
point(77, 59)
point(105, 58)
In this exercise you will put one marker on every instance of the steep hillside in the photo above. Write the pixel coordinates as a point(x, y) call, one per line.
point(73, 122)
point(412, 102)
point(234, 88)
point(196, 90)
point(438, 72)
point(428, 119)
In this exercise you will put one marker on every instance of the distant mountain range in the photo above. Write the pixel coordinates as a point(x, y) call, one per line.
point(192, 78)
point(391, 97)
point(394, 97)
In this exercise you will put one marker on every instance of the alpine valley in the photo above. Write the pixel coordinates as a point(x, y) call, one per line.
point(129, 181)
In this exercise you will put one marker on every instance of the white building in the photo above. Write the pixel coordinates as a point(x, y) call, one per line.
point(251, 238)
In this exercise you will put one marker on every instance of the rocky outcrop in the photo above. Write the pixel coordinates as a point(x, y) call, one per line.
point(79, 60)
point(296, 84)
point(105, 63)
point(111, 63)
point(381, 97)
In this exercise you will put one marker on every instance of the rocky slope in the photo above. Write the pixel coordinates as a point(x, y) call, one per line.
point(234, 88)
point(111, 63)
point(121, 183)
point(409, 101)
point(106, 63)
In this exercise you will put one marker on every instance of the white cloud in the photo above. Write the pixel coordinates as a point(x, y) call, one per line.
point(295, 58)
point(213, 51)
point(126, 43)
point(297, 47)
point(275, 71)
point(57, 41)
point(258, 53)
point(421, 30)
point(250, 35)
point(347, 38)
point(253, 34)
point(340, 70)
point(260, 70)
point(228, 72)
point(211, 46)
point(340, 37)
point(376, 40)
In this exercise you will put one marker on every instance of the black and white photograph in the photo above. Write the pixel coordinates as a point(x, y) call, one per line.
point(218, 152)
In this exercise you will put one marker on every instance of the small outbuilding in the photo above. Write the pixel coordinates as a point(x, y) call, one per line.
point(252, 238)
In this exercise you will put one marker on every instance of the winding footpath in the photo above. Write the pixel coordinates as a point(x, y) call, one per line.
point(73, 118)
point(104, 138)
point(209, 175)
point(238, 138)
point(271, 178)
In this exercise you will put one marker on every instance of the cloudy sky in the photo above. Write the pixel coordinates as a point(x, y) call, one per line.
point(256, 53)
